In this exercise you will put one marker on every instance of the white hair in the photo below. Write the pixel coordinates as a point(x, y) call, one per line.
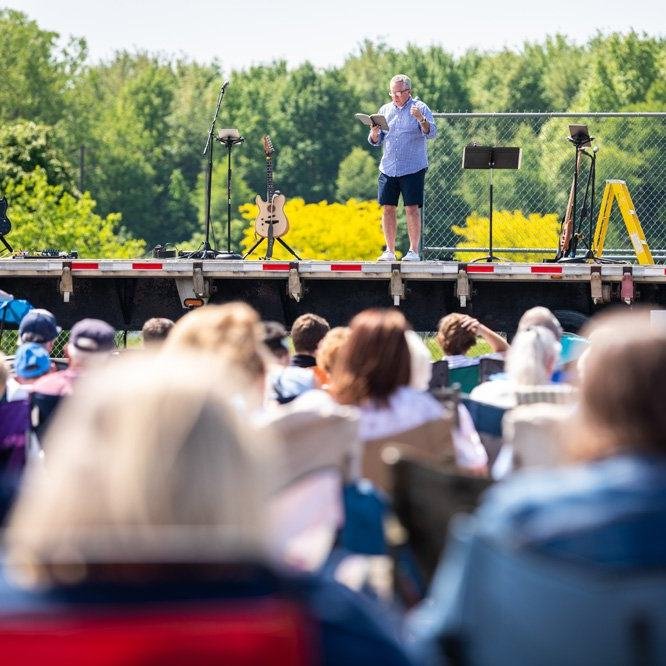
point(401, 78)
point(532, 356)
point(420, 361)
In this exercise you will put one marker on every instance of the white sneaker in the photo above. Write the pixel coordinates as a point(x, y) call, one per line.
point(411, 256)
point(386, 255)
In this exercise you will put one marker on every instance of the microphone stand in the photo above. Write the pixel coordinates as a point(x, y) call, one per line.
point(207, 252)
point(229, 138)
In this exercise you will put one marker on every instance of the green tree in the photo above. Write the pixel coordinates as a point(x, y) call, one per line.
point(36, 73)
point(357, 176)
point(47, 216)
point(317, 128)
point(133, 164)
point(623, 69)
point(25, 146)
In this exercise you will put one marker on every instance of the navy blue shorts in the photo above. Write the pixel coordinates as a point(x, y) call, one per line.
point(410, 186)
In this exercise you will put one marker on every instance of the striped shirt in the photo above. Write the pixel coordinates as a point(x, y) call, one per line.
point(404, 144)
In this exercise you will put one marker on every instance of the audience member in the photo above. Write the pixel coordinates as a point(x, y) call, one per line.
point(373, 372)
point(90, 341)
point(469, 451)
point(540, 316)
point(231, 332)
point(607, 512)
point(299, 376)
point(530, 361)
point(457, 334)
point(40, 326)
point(276, 338)
point(157, 490)
point(155, 330)
point(307, 332)
point(31, 362)
point(327, 353)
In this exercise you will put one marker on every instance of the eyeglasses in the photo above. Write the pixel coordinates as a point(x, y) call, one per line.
point(399, 92)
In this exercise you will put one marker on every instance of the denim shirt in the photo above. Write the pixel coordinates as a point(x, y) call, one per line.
point(405, 150)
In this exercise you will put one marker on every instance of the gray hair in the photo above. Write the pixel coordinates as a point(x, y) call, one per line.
point(401, 78)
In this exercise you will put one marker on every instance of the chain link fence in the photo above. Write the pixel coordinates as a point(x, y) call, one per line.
point(9, 342)
point(631, 147)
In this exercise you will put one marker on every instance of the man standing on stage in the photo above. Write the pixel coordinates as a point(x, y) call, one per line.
point(404, 163)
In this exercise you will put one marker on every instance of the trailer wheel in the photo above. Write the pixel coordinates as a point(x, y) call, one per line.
point(571, 320)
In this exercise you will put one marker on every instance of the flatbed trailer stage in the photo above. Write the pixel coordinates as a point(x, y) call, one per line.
point(127, 292)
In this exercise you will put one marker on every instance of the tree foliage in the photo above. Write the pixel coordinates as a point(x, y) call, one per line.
point(46, 216)
point(131, 130)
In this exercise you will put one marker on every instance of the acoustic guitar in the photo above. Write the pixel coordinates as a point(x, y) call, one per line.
point(271, 222)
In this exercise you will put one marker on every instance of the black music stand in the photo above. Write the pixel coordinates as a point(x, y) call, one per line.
point(229, 138)
point(491, 158)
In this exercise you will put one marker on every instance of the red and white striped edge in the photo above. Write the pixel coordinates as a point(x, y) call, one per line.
point(184, 267)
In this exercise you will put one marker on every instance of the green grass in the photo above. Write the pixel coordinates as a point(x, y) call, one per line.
point(481, 347)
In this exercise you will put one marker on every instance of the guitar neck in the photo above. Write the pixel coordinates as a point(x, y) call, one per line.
point(270, 188)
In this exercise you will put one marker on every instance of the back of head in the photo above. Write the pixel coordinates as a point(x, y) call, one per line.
point(232, 332)
point(156, 329)
point(622, 387)
point(38, 325)
point(421, 362)
point(375, 360)
point(90, 340)
point(540, 316)
point(452, 337)
point(532, 356)
point(329, 347)
point(307, 332)
point(274, 336)
point(159, 468)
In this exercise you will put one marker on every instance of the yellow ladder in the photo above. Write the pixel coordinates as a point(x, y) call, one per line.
point(617, 189)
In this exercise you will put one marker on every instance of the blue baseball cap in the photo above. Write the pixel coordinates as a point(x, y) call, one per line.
point(38, 325)
point(31, 360)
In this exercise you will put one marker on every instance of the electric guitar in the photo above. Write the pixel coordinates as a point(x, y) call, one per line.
point(271, 222)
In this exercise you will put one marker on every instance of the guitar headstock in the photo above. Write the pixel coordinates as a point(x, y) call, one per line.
point(268, 146)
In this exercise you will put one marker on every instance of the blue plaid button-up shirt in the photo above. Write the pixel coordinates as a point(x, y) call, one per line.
point(404, 144)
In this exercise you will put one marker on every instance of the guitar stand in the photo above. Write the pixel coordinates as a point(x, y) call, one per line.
point(269, 255)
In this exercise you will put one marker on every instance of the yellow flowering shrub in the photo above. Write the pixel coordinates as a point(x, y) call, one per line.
point(327, 231)
point(510, 229)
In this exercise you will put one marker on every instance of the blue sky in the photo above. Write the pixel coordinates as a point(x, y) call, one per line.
point(240, 34)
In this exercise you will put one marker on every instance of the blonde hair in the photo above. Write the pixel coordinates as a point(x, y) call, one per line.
point(231, 331)
point(146, 460)
point(327, 351)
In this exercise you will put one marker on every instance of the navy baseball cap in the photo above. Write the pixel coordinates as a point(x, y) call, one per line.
point(92, 335)
point(31, 360)
point(38, 325)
